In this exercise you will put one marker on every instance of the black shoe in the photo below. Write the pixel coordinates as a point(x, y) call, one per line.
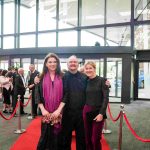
point(5, 111)
point(23, 113)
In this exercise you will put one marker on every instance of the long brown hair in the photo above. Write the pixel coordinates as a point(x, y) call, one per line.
point(45, 69)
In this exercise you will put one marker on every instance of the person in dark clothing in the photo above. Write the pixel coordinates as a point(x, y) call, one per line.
point(50, 91)
point(94, 112)
point(12, 74)
point(74, 84)
point(19, 89)
point(31, 86)
point(6, 84)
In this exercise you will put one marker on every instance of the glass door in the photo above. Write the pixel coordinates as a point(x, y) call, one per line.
point(144, 80)
point(15, 62)
point(39, 64)
point(4, 64)
point(25, 64)
point(114, 75)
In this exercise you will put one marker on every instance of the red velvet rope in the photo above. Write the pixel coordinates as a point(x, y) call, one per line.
point(12, 115)
point(24, 105)
point(111, 117)
point(133, 132)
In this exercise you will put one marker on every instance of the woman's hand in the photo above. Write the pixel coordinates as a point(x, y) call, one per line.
point(46, 116)
point(98, 118)
point(55, 114)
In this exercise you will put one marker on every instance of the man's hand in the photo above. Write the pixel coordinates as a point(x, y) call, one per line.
point(31, 86)
point(36, 80)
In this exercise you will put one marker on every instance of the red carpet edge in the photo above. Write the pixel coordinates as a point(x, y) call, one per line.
point(29, 139)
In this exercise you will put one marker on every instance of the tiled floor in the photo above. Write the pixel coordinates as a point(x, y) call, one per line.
point(138, 113)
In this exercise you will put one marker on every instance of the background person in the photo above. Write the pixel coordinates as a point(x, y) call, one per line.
point(6, 85)
point(19, 89)
point(33, 73)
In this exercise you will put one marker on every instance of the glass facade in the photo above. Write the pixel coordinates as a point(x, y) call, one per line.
point(47, 15)
point(92, 12)
point(68, 12)
point(118, 36)
point(65, 40)
point(27, 16)
point(76, 24)
point(47, 39)
point(9, 18)
point(110, 23)
point(27, 40)
point(118, 11)
point(141, 10)
point(144, 80)
point(8, 42)
point(142, 37)
point(91, 37)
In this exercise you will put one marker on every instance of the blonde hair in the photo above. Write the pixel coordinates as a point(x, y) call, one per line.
point(92, 63)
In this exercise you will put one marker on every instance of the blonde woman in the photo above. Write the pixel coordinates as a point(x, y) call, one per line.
point(94, 111)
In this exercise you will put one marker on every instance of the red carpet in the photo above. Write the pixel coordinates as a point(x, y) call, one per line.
point(29, 139)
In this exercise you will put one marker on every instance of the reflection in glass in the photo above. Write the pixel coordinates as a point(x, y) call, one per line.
point(68, 38)
point(4, 64)
point(25, 64)
point(114, 75)
point(118, 36)
point(47, 15)
point(39, 64)
point(144, 80)
point(68, 13)
point(92, 12)
point(15, 62)
point(27, 41)
point(27, 16)
point(90, 37)
point(142, 10)
point(9, 22)
point(142, 37)
point(118, 11)
point(47, 40)
point(8, 42)
point(63, 64)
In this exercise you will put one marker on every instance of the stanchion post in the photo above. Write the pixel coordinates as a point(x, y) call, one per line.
point(120, 127)
point(19, 130)
point(31, 116)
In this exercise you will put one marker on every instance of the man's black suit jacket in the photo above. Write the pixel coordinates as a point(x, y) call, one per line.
point(19, 88)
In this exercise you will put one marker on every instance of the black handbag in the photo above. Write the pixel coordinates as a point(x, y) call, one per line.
point(91, 115)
